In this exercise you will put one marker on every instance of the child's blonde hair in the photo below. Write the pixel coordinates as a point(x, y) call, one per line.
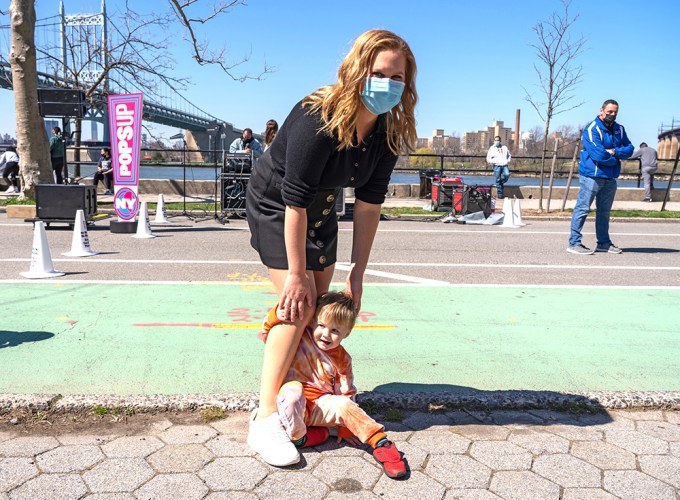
point(338, 307)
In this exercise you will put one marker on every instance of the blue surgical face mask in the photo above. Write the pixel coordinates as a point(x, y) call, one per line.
point(497, 144)
point(381, 94)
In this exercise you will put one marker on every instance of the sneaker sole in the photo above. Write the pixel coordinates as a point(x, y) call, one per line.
point(398, 475)
point(607, 251)
point(275, 463)
point(580, 253)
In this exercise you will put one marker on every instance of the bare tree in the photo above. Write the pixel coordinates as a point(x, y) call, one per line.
point(202, 53)
point(558, 73)
point(32, 142)
point(137, 61)
point(534, 141)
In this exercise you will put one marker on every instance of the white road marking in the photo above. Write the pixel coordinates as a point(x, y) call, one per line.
point(505, 231)
point(395, 276)
point(522, 266)
point(345, 266)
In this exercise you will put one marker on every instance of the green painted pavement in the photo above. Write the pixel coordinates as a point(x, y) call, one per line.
point(72, 338)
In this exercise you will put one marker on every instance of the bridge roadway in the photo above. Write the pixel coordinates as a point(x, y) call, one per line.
point(153, 112)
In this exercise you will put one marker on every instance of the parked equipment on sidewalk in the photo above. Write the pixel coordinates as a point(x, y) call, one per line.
point(233, 182)
point(447, 194)
point(61, 202)
point(477, 199)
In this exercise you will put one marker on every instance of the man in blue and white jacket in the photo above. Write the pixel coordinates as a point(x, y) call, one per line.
point(605, 144)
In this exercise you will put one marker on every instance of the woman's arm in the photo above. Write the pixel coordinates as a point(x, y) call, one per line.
point(366, 219)
point(297, 291)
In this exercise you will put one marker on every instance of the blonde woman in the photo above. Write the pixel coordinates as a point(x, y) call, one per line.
point(346, 134)
point(271, 129)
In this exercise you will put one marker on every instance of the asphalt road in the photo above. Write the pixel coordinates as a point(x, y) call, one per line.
point(404, 252)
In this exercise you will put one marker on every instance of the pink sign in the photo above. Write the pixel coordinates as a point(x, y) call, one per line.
point(125, 125)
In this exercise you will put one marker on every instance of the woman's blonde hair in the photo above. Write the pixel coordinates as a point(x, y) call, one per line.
point(339, 104)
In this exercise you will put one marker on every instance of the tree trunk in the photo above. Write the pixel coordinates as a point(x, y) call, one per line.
point(545, 145)
point(77, 134)
point(32, 143)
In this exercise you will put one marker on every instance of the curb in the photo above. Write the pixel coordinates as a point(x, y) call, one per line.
point(484, 400)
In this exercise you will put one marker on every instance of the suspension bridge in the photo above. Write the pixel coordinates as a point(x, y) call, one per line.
point(75, 51)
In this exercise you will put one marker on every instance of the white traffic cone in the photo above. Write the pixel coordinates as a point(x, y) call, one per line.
point(160, 211)
point(41, 258)
point(517, 213)
point(80, 244)
point(143, 226)
point(508, 219)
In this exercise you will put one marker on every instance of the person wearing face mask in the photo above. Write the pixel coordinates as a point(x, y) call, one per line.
point(349, 133)
point(499, 156)
point(605, 144)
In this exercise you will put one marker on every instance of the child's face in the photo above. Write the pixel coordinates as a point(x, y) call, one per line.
point(328, 334)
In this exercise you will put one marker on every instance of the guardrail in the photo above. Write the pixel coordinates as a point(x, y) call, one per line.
point(529, 166)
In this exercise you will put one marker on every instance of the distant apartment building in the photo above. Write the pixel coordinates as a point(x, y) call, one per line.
point(439, 142)
point(478, 142)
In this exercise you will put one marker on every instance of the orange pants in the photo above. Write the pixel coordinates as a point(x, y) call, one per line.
point(329, 410)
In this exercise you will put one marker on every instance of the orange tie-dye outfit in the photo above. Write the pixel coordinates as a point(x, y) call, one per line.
point(319, 391)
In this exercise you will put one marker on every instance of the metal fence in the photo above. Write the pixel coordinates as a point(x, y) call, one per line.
point(520, 166)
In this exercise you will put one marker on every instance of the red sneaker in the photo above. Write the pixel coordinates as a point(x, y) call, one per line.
point(390, 459)
point(315, 436)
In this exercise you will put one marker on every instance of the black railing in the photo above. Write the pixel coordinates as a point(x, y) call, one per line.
point(520, 166)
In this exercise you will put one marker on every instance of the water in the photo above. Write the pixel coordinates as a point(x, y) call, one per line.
point(210, 173)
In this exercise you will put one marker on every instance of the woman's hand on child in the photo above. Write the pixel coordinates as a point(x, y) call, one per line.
point(354, 286)
point(296, 294)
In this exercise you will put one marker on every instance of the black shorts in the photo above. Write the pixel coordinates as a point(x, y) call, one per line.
point(265, 212)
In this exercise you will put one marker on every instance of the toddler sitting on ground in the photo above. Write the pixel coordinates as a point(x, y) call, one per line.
point(318, 391)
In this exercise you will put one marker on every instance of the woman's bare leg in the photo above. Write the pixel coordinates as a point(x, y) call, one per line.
point(283, 340)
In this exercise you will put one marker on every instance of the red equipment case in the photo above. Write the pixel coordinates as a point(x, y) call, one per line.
point(447, 194)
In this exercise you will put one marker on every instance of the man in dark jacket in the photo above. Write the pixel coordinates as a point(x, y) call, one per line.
point(605, 144)
point(57, 153)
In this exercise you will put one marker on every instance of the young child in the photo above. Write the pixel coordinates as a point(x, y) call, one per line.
point(318, 391)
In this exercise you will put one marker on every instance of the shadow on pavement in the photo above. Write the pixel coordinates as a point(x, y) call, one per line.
point(438, 398)
point(650, 250)
point(13, 339)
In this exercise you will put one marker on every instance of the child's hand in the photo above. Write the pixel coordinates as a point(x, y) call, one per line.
point(351, 439)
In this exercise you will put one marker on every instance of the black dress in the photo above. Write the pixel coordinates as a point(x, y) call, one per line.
point(303, 168)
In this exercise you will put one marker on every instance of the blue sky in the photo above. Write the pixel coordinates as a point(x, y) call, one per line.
point(473, 58)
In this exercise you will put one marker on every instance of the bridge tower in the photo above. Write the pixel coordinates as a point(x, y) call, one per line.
point(83, 43)
point(669, 140)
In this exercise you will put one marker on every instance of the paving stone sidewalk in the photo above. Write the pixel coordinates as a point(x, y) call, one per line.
point(534, 454)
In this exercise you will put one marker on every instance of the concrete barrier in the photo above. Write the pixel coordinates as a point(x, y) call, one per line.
point(208, 188)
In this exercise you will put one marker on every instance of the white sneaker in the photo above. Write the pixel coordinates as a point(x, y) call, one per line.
point(268, 438)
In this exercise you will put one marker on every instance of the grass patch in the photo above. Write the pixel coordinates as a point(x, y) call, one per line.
point(651, 214)
point(38, 417)
point(16, 201)
point(212, 413)
point(642, 213)
point(369, 406)
point(205, 207)
point(100, 410)
point(393, 415)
